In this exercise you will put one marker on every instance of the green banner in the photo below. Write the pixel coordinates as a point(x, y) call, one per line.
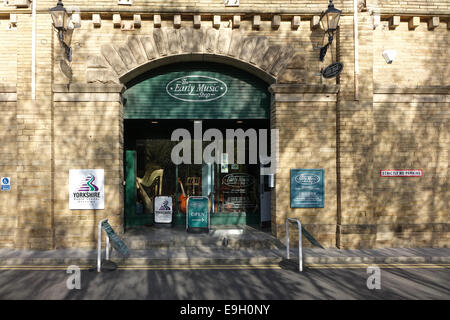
point(197, 212)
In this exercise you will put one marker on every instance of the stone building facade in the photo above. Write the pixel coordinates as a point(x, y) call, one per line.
point(59, 115)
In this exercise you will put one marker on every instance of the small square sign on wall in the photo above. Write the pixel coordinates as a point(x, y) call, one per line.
point(6, 184)
point(86, 189)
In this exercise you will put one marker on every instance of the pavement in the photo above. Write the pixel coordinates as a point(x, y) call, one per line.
point(224, 246)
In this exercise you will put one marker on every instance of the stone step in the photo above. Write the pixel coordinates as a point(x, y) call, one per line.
point(224, 237)
point(233, 243)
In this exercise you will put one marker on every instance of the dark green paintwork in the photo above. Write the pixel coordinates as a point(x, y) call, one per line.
point(131, 219)
point(247, 96)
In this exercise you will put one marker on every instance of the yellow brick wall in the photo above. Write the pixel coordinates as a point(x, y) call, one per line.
point(351, 139)
point(422, 55)
point(307, 139)
point(87, 136)
point(8, 163)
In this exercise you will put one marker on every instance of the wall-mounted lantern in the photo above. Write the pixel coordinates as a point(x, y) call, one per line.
point(329, 21)
point(60, 19)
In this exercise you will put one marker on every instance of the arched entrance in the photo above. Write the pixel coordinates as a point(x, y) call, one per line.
point(195, 98)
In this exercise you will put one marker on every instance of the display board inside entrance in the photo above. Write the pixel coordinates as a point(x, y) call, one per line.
point(197, 217)
point(163, 209)
point(307, 188)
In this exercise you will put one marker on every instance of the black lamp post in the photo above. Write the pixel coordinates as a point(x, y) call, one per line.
point(329, 20)
point(60, 19)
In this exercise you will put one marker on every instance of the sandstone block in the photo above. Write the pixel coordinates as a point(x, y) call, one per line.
point(149, 47)
point(136, 49)
point(160, 38)
point(262, 44)
point(173, 40)
point(127, 57)
point(224, 40)
point(236, 44)
point(248, 48)
point(113, 59)
point(211, 40)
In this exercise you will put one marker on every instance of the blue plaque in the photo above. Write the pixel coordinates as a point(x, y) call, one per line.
point(307, 188)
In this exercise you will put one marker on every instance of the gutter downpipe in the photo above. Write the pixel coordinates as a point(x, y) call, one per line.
point(33, 53)
point(356, 42)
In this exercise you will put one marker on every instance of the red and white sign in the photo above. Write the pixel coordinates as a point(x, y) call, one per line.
point(401, 173)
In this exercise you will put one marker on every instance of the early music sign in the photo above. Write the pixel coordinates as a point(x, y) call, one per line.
point(196, 88)
point(333, 70)
point(401, 173)
point(307, 188)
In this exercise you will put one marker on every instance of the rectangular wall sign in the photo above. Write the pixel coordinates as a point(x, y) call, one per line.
point(5, 184)
point(401, 173)
point(86, 189)
point(307, 188)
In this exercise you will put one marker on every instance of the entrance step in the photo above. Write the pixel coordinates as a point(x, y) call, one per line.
point(202, 256)
point(230, 237)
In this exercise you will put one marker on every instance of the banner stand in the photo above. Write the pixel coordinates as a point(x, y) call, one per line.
point(198, 218)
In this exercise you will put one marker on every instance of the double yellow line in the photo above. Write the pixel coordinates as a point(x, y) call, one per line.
point(233, 267)
point(380, 265)
point(148, 267)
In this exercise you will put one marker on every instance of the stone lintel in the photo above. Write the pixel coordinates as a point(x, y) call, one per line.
point(8, 97)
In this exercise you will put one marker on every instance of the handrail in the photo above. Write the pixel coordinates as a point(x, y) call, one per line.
point(99, 245)
point(300, 254)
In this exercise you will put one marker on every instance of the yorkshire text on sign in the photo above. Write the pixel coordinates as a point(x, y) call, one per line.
point(86, 189)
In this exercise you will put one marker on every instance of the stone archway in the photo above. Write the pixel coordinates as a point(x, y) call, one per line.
point(119, 63)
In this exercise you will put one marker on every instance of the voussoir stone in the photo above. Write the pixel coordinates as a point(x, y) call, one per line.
point(223, 43)
point(126, 55)
point(211, 40)
point(149, 47)
point(173, 40)
point(270, 56)
point(247, 48)
point(262, 44)
point(283, 59)
point(136, 49)
point(186, 39)
point(197, 39)
point(159, 35)
point(236, 43)
point(113, 58)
